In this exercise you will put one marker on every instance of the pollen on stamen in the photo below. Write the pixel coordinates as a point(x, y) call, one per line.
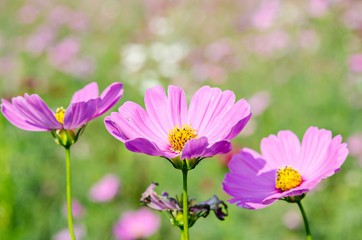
point(59, 115)
point(177, 137)
point(287, 178)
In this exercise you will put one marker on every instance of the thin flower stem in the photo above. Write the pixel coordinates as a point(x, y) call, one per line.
point(69, 194)
point(182, 234)
point(306, 224)
point(185, 206)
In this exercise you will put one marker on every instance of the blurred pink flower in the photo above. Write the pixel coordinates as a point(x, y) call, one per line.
point(268, 44)
point(63, 52)
point(218, 50)
point(308, 38)
point(134, 225)
point(40, 40)
point(205, 71)
point(292, 220)
point(259, 102)
point(78, 21)
point(77, 209)
point(106, 189)
point(59, 15)
point(264, 17)
point(355, 144)
point(28, 14)
point(79, 232)
point(353, 17)
point(6, 64)
point(80, 67)
point(318, 7)
point(355, 62)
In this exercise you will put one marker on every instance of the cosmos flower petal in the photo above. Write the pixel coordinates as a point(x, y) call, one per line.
point(109, 97)
point(207, 105)
point(314, 148)
point(29, 113)
point(229, 124)
point(238, 128)
point(177, 105)
point(88, 92)
point(157, 107)
point(280, 149)
point(200, 148)
point(131, 122)
point(335, 156)
point(248, 188)
point(142, 145)
point(79, 113)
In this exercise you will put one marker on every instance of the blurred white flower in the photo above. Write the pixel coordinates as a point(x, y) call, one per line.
point(133, 57)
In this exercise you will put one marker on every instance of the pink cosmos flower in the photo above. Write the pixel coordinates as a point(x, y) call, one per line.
point(134, 225)
point(106, 189)
point(264, 17)
point(32, 114)
point(286, 167)
point(77, 209)
point(169, 129)
point(355, 63)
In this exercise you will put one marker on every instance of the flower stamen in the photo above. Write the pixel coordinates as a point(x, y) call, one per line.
point(59, 115)
point(177, 137)
point(287, 178)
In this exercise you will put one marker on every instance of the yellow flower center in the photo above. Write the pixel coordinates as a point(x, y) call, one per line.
point(59, 115)
point(287, 178)
point(177, 137)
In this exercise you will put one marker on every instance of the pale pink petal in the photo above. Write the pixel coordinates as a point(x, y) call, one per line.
point(207, 104)
point(90, 91)
point(280, 150)
point(132, 121)
point(177, 105)
point(157, 107)
point(313, 149)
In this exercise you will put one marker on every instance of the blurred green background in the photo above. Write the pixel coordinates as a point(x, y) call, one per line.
point(299, 63)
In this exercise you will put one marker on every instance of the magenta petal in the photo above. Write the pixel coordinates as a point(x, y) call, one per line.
point(30, 113)
point(238, 128)
point(246, 184)
point(142, 145)
point(90, 91)
point(131, 122)
point(199, 148)
point(79, 114)
point(229, 123)
point(109, 97)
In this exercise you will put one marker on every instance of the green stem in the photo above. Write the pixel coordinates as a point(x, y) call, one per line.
point(185, 206)
point(69, 194)
point(182, 234)
point(306, 224)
